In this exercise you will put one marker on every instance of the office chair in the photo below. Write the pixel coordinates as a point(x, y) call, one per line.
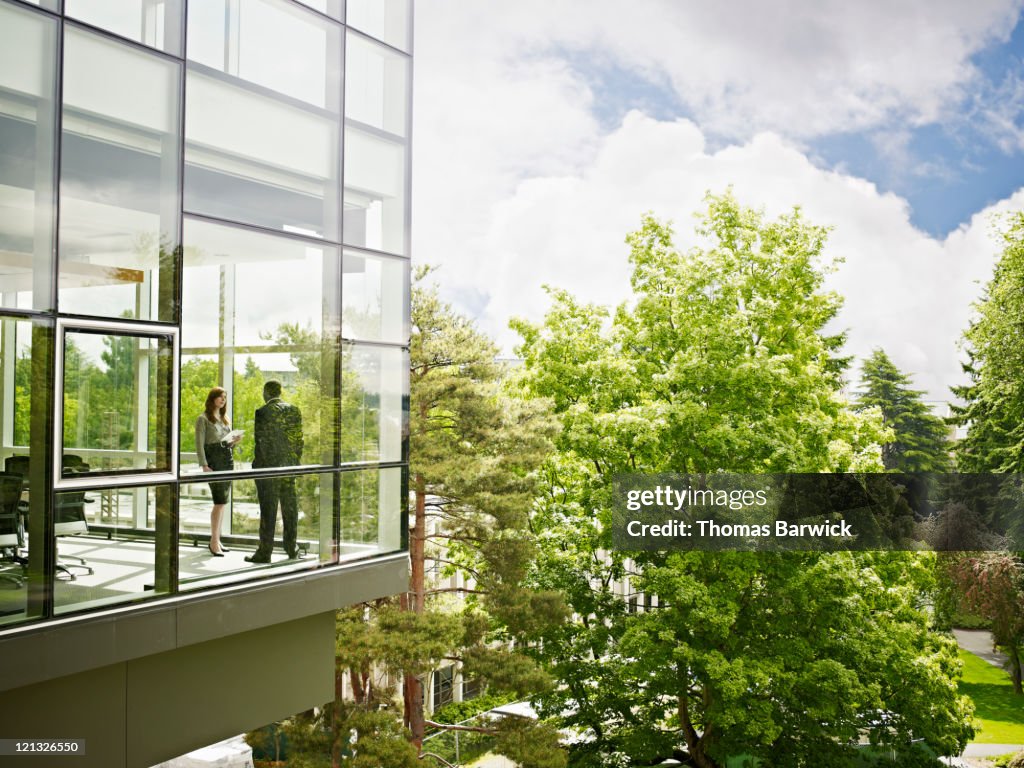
point(11, 529)
point(17, 465)
point(70, 519)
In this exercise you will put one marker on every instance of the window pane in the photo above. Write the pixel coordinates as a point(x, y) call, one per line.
point(156, 23)
point(271, 43)
point(116, 403)
point(28, 54)
point(371, 512)
point(387, 20)
point(52, 5)
point(119, 181)
point(253, 159)
point(376, 85)
point(259, 307)
point(375, 298)
point(15, 403)
point(108, 548)
point(311, 498)
point(375, 191)
point(374, 402)
point(332, 8)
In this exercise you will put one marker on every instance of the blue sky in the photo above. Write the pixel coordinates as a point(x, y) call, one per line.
point(947, 170)
point(543, 129)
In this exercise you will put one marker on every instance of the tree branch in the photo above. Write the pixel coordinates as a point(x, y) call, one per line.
point(436, 757)
point(471, 728)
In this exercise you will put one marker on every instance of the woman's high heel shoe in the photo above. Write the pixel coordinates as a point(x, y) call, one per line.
point(223, 548)
point(215, 554)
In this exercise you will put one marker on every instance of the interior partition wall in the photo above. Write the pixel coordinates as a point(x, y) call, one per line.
point(198, 195)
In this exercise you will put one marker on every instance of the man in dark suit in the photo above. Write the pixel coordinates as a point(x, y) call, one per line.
point(278, 431)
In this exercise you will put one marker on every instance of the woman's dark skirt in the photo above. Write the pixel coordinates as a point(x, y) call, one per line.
point(219, 459)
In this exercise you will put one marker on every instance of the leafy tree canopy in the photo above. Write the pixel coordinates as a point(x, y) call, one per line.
point(722, 363)
point(994, 398)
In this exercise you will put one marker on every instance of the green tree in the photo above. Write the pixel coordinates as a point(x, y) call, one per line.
point(475, 453)
point(992, 585)
point(474, 456)
point(721, 363)
point(994, 397)
point(919, 437)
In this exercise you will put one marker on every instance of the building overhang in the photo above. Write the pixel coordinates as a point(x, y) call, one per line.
point(57, 648)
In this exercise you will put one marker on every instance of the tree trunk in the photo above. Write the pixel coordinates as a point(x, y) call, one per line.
point(415, 721)
point(339, 687)
point(413, 698)
point(358, 691)
point(694, 742)
point(417, 539)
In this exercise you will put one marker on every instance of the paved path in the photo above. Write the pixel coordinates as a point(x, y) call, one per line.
point(979, 642)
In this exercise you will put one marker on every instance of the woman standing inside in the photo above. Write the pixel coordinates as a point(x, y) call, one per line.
point(214, 442)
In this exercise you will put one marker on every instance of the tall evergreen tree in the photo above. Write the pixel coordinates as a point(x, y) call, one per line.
point(475, 454)
point(920, 441)
point(994, 398)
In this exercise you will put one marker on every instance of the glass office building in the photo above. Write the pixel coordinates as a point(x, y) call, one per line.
point(198, 194)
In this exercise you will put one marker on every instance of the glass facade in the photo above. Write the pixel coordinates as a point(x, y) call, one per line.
point(204, 294)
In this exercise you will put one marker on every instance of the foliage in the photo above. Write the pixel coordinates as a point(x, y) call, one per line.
point(997, 708)
point(529, 744)
point(992, 585)
point(371, 736)
point(919, 437)
point(458, 711)
point(994, 398)
point(268, 743)
point(474, 455)
point(722, 363)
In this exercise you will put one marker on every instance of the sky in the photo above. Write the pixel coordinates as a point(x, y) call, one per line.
point(544, 129)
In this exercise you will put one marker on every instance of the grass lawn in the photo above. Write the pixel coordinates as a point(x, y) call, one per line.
point(999, 711)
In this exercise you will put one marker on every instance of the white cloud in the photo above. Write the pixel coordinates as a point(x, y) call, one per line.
point(796, 68)
point(515, 184)
point(905, 291)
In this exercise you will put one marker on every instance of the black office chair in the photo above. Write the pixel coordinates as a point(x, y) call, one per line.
point(12, 532)
point(70, 518)
point(17, 465)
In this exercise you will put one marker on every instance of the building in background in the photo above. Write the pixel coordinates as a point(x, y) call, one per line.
point(191, 200)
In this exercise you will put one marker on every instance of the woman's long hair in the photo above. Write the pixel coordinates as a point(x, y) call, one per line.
point(211, 413)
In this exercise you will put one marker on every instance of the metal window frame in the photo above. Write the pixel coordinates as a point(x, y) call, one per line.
point(111, 327)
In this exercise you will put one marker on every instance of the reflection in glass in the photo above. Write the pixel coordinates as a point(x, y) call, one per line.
point(257, 307)
point(271, 43)
point(116, 395)
point(156, 23)
point(260, 160)
point(240, 532)
point(15, 403)
point(376, 84)
point(386, 20)
point(375, 191)
point(112, 545)
point(374, 402)
point(371, 511)
point(332, 8)
point(119, 181)
point(374, 298)
point(28, 53)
